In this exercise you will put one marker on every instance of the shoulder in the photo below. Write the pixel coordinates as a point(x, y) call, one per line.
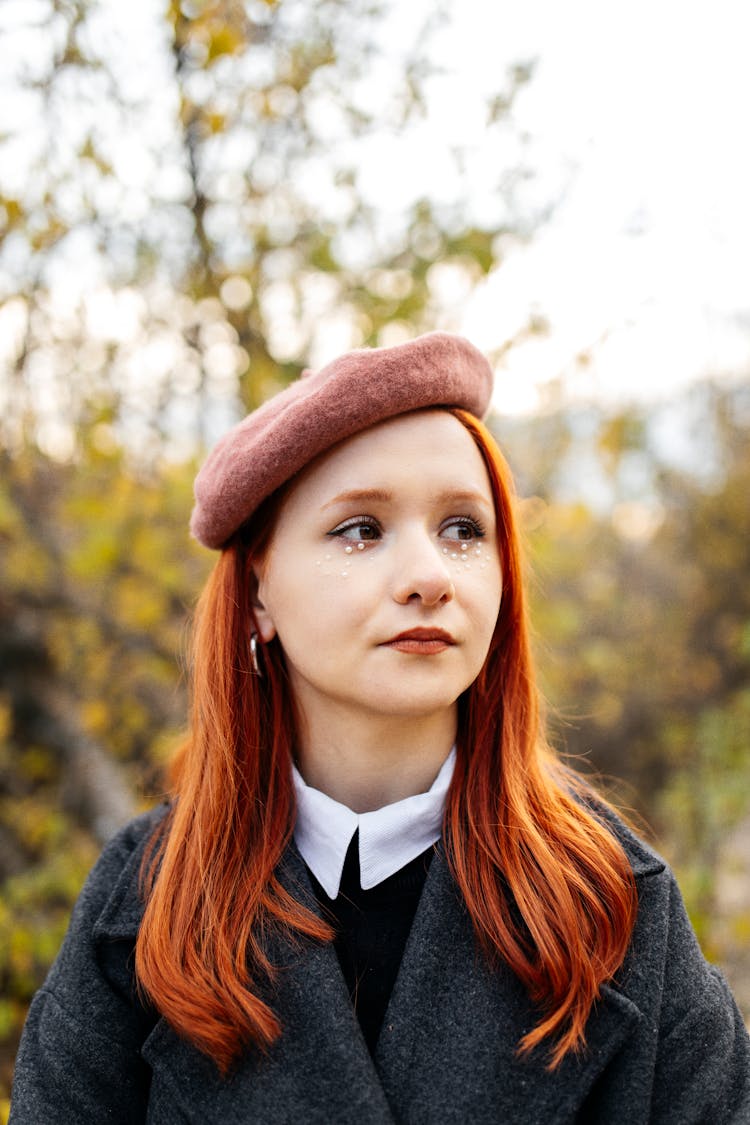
point(701, 1050)
point(128, 842)
point(662, 937)
point(79, 1057)
point(109, 905)
point(703, 1045)
point(643, 858)
point(131, 838)
point(91, 980)
point(662, 921)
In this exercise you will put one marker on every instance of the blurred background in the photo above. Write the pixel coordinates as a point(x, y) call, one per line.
point(198, 198)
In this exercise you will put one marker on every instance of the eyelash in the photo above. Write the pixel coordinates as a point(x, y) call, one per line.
point(477, 529)
point(474, 525)
point(356, 522)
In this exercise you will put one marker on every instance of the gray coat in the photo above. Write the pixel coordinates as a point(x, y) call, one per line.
point(666, 1043)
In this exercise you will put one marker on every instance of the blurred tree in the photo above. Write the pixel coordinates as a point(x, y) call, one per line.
point(642, 607)
point(96, 577)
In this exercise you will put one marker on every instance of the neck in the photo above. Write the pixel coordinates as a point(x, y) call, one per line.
point(366, 763)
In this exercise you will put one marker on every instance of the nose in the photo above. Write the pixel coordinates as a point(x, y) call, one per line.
point(421, 572)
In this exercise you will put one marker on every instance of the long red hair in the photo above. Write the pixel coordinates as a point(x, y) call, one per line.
point(549, 889)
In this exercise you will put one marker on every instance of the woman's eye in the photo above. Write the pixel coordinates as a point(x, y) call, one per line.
point(357, 530)
point(463, 530)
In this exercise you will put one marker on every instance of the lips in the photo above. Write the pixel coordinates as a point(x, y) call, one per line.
point(421, 642)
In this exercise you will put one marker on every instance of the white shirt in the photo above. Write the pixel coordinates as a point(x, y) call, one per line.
point(389, 838)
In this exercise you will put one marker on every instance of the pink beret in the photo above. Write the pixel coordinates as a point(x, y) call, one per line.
point(351, 393)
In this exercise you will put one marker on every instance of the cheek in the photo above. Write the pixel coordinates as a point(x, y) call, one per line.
point(347, 575)
point(482, 603)
point(477, 572)
point(470, 558)
point(349, 561)
point(330, 589)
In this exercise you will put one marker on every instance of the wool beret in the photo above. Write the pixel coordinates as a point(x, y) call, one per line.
point(348, 395)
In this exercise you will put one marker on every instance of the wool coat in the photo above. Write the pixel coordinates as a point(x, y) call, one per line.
point(665, 1044)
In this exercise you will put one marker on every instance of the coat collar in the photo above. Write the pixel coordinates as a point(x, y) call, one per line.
point(450, 1032)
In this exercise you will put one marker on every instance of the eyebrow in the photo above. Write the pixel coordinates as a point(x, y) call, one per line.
point(382, 496)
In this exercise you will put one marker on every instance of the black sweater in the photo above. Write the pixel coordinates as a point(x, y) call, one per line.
point(371, 931)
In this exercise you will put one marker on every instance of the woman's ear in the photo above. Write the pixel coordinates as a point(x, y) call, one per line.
point(263, 617)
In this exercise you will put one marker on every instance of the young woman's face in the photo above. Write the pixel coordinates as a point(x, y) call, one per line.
point(382, 579)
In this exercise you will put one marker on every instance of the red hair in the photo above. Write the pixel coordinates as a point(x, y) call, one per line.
point(549, 889)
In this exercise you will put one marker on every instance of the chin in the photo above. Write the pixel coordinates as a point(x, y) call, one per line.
point(412, 705)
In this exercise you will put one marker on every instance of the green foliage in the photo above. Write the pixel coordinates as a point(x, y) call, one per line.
point(642, 611)
point(97, 577)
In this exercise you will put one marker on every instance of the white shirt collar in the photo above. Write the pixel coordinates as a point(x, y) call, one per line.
point(389, 837)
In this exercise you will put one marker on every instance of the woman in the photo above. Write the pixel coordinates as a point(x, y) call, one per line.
point(375, 895)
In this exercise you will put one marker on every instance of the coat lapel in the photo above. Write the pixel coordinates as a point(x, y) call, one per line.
point(447, 1050)
point(320, 1069)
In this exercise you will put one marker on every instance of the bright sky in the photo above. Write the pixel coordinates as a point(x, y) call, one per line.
point(636, 121)
point(643, 108)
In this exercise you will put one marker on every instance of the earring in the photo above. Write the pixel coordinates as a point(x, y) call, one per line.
point(254, 654)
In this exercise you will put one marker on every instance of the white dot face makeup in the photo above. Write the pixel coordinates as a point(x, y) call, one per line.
point(382, 578)
point(464, 559)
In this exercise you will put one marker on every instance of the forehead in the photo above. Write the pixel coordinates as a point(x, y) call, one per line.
point(427, 444)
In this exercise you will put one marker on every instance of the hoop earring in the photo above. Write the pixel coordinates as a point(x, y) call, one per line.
point(254, 655)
